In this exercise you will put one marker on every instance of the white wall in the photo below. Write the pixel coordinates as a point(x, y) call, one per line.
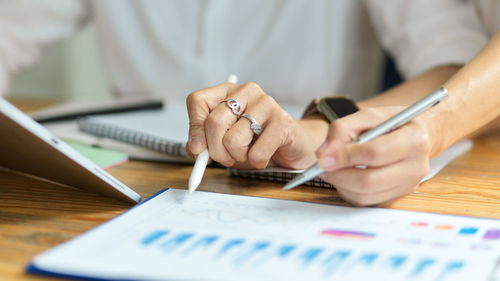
point(71, 69)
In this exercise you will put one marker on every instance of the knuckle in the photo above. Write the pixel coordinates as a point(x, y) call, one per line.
point(251, 86)
point(343, 156)
point(284, 118)
point(421, 140)
point(229, 141)
point(195, 126)
point(222, 159)
point(212, 122)
point(375, 153)
point(375, 113)
point(267, 100)
point(232, 141)
point(342, 130)
point(370, 111)
point(193, 99)
point(257, 159)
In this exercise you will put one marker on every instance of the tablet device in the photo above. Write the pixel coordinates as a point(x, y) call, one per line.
point(27, 147)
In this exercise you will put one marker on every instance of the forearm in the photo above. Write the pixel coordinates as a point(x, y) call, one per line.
point(412, 90)
point(474, 97)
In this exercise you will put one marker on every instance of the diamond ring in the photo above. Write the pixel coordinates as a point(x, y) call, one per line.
point(255, 126)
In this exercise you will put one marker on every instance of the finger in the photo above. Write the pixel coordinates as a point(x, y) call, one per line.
point(239, 137)
point(199, 105)
point(363, 185)
point(222, 118)
point(390, 148)
point(275, 135)
point(348, 128)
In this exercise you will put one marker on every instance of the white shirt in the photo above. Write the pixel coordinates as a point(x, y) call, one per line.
point(294, 49)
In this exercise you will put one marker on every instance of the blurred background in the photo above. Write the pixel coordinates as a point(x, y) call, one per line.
point(70, 70)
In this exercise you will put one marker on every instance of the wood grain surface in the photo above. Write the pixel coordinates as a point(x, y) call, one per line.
point(37, 215)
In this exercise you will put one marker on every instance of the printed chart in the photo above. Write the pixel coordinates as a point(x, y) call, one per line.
point(210, 236)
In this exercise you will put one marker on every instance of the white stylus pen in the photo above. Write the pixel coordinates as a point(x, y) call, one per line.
point(201, 161)
point(393, 123)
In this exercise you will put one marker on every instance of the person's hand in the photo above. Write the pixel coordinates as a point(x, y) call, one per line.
point(380, 170)
point(284, 141)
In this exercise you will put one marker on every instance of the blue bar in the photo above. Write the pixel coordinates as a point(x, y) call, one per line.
point(153, 236)
point(368, 259)
point(257, 247)
point(334, 261)
point(230, 244)
point(397, 261)
point(285, 250)
point(205, 242)
point(175, 242)
point(451, 267)
point(422, 266)
point(309, 255)
point(468, 230)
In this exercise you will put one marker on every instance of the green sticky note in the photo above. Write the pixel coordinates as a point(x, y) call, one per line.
point(102, 157)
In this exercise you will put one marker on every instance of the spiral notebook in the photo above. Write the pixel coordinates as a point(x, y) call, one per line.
point(161, 130)
point(286, 175)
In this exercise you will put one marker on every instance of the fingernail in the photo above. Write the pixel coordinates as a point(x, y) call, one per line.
point(322, 147)
point(327, 163)
point(196, 145)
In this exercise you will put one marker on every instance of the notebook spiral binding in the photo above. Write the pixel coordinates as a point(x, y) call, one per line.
point(283, 177)
point(132, 137)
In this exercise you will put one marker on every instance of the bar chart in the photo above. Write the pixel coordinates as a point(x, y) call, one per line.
point(240, 253)
point(209, 236)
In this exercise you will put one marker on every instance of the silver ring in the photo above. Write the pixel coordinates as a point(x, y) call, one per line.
point(234, 105)
point(255, 126)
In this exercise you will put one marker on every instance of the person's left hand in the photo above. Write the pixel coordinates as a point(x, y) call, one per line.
point(394, 163)
point(231, 141)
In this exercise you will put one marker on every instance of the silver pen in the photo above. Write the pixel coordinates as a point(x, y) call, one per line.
point(393, 123)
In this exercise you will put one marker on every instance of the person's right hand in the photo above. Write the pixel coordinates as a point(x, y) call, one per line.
point(284, 141)
point(392, 164)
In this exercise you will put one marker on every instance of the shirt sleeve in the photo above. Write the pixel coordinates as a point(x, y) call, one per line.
point(28, 27)
point(424, 34)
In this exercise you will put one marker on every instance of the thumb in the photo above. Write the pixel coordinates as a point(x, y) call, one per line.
point(197, 141)
point(337, 151)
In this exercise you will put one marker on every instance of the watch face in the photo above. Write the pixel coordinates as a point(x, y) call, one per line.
point(341, 106)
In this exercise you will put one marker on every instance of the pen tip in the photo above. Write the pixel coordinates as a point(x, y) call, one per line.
point(192, 187)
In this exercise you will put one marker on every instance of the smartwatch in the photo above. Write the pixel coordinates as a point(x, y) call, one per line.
point(331, 108)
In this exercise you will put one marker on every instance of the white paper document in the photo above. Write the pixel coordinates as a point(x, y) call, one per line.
point(210, 236)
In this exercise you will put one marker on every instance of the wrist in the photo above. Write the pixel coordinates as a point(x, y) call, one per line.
point(439, 139)
point(314, 130)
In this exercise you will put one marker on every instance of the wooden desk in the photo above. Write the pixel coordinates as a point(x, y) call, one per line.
point(35, 215)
